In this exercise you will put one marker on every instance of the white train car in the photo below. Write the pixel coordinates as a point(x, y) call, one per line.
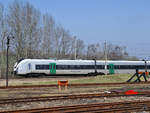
point(76, 67)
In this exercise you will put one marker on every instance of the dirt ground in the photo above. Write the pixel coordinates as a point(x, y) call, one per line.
point(45, 104)
point(51, 91)
point(31, 92)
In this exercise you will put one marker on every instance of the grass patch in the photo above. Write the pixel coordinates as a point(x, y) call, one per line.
point(24, 83)
point(104, 79)
point(38, 83)
point(48, 82)
point(94, 79)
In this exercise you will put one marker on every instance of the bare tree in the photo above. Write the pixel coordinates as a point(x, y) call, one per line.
point(57, 41)
point(93, 51)
point(3, 34)
point(31, 29)
point(48, 36)
point(116, 52)
point(66, 42)
point(63, 42)
point(23, 20)
point(3, 30)
point(80, 48)
point(16, 26)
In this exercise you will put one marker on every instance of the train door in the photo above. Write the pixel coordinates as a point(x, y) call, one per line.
point(111, 69)
point(52, 67)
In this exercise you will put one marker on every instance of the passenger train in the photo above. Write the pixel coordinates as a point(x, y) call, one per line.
point(36, 67)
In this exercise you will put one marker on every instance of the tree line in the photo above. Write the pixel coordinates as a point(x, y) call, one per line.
point(39, 36)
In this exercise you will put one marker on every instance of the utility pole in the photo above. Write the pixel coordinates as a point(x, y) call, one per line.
point(8, 40)
point(145, 65)
point(105, 46)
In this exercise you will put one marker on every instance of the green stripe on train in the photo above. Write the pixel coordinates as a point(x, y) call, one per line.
point(52, 68)
point(111, 69)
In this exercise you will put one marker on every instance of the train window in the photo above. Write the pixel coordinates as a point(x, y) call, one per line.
point(37, 66)
point(143, 66)
point(124, 66)
point(129, 67)
point(148, 67)
point(75, 66)
point(46, 66)
point(83, 67)
point(65, 66)
point(100, 66)
point(61, 67)
point(71, 67)
point(87, 67)
point(133, 67)
point(57, 67)
point(107, 66)
point(116, 66)
point(140, 67)
point(121, 67)
point(42, 67)
point(92, 67)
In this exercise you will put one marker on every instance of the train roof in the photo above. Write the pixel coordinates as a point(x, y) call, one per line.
point(79, 60)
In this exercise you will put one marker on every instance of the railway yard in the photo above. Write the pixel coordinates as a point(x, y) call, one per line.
point(30, 95)
point(86, 56)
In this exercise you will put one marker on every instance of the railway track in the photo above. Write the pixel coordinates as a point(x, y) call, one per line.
point(63, 97)
point(75, 85)
point(119, 107)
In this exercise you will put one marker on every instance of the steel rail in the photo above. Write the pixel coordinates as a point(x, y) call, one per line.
point(126, 106)
point(75, 85)
point(51, 98)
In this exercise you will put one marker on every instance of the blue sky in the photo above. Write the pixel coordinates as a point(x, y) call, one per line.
point(122, 22)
